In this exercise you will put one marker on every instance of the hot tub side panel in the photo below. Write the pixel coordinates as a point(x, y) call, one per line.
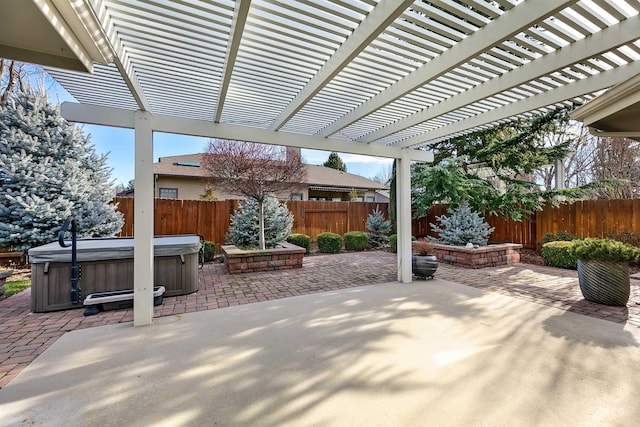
point(52, 290)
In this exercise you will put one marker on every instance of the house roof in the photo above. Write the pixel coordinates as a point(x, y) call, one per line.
point(316, 176)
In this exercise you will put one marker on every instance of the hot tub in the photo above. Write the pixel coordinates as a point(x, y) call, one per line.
point(107, 265)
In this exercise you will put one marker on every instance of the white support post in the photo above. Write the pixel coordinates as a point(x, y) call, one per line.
point(143, 221)
point(560, 175)
point(403, 209)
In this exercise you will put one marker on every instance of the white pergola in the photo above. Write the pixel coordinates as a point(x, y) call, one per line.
point(377, 77)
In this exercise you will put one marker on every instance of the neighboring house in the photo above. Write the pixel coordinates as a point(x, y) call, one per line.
point(182, 177)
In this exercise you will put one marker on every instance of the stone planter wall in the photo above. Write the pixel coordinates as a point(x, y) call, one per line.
point(282, 258)
point(484, 256)
point(3, 277)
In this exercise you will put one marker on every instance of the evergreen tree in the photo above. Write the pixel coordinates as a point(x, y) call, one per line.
point(48, 171)
point(379, 229)
point(461, 227)
point(492, 170)
point(245, 223)
point(335, 162)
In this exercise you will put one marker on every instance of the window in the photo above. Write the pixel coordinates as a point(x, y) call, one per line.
point(336, 199)
point(370, 199)
point(168, 193)
point(296, 196)
point(359, 199)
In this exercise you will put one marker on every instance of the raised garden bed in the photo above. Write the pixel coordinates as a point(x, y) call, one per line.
point(484, 256)
point(285, 256)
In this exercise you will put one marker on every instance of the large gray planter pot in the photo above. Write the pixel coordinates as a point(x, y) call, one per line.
point(604, 282)
point(424, 265)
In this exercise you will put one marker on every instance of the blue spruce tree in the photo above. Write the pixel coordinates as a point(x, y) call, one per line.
point(48, 171)
point(462, 226)
point(245, 228)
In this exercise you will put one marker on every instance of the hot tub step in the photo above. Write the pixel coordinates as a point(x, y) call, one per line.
point(116, 299)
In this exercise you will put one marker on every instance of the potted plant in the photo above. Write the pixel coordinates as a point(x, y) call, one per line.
point(424, 262)
point(603, 269)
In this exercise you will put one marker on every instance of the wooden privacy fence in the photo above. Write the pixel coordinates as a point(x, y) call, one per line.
point(211, 219)
point(589, 218)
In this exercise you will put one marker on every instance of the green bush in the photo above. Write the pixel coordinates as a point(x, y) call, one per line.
point(301, 240)
point(355, 240)
point(556, 254)
point(561, 236)
point(604, 250)
point(329, 243)
point(393, 242)
point(209, 250)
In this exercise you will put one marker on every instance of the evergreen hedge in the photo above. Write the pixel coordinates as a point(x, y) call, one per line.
point(556, 254)
point(355, 241)
point(330, 243)
point(301, 240)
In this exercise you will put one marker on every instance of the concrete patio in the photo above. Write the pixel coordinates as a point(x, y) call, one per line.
point(337, 345)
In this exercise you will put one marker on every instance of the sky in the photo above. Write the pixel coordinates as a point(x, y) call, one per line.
point(118, 145)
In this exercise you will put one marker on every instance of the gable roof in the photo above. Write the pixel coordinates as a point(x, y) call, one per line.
point(316, 176)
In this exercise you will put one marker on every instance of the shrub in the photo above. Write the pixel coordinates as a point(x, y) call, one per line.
point(556, 254)
point(209, 250)
point(627, 237)
point(604, 250)
point(355, 241)
point(422, 247)
point(379, 228)
point(462, 226)
point(301, 240)
point(561, 236)
point(329, 243)
point(393, 242)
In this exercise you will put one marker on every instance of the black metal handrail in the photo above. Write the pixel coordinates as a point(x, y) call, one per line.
point(76, 292)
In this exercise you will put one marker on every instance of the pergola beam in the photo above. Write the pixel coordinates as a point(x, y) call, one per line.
point(589, 85)
point(240, 14)
point(374, 24)
point(609, 38)
point(510, 23)
point(106, 116)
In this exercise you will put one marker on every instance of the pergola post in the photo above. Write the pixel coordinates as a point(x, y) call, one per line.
point(143, 221)
point(403, 209)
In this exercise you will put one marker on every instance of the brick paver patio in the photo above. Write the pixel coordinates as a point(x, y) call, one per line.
point(25, 335)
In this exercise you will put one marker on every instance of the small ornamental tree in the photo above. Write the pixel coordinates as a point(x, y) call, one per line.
point(461, 227)
point(378, 228)
point(254, 171)
point(243, 231)
point(335, 162)
point(48, 171)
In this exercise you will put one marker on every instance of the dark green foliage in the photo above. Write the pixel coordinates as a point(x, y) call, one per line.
point(209, 249)
point(379, 228)
point(556, 254)
point(465, 169)
point(628, 237)
point(604, 250)
point(355, 241)
point(329, 243)
point(462, 226)
point(335, 162)
point(301, 240)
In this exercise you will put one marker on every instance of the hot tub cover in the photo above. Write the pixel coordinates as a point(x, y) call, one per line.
point(113, 248)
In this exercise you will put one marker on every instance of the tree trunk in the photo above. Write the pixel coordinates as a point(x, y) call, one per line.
point(261, 225)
